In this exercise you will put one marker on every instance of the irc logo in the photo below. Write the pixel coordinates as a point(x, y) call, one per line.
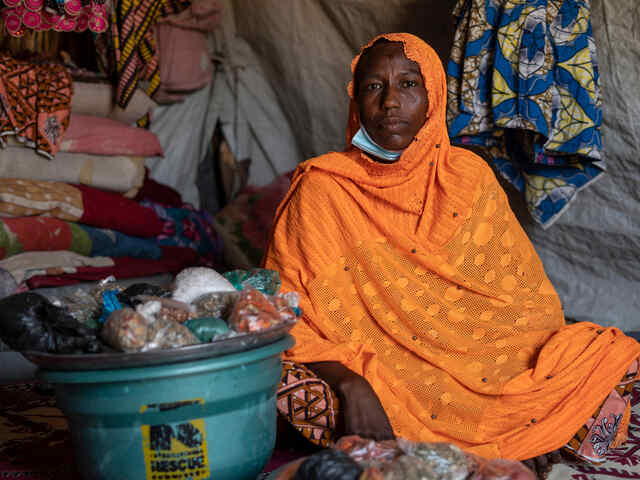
point(175, 451)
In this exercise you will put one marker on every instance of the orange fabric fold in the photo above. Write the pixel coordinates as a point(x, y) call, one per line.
point(418, 276)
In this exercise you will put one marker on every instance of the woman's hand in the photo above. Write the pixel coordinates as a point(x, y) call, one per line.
point(362, 412)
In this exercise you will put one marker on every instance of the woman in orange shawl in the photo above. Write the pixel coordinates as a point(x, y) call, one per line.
point(416, 278)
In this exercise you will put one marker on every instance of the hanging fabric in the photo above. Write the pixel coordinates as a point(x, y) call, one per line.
point(523, 82)
point(134, 47)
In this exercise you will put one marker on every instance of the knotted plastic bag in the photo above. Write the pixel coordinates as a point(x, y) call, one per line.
point(28, 321)
point(125, 330)
point(217, 304)
point(254, 311)
point(163, 332)
point(207, 328)
point(263, 280)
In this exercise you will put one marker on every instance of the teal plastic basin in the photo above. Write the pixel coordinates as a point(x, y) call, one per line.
point(212, 418)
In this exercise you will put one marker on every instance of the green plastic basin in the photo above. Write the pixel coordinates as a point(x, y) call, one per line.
point(212, 418)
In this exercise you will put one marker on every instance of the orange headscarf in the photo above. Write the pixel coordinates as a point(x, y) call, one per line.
point(417, 276)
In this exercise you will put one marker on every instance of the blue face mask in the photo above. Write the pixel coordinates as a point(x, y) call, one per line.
point(364, 142)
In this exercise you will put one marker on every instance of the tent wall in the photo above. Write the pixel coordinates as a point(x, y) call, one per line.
point(304, 48)
point(592, 253)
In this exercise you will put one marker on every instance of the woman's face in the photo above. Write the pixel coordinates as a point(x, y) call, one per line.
point(391, 96)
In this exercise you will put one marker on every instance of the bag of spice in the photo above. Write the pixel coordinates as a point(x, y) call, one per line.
point(254, 311)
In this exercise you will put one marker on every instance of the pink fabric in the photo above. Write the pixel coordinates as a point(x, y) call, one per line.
point(185, 64)
point(604, 427)
point(202, 15)
point(103, 136)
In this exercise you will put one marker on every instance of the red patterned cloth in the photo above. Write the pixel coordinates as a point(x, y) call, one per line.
point(73, 15)
point(34, 103)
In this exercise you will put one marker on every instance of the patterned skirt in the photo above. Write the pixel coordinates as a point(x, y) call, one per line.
point(311, 406)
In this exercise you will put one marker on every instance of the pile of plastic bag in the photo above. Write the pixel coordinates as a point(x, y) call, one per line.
point(201, 306)
point(356, 458)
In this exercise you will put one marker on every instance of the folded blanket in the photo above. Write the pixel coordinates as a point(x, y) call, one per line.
point(21, 198)
point(32, 234)
point(113, 211)
point(182, 228)
point(116, 173)
point(103, 136)
point(186, 227)
point(158, 193)
point(81, 204)
point(97, 99)
point(173, 260)
point(30, 264)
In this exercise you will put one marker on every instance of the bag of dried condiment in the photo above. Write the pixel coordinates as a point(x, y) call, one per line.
point(125, 330)
point(163, 332)
point(254, 311)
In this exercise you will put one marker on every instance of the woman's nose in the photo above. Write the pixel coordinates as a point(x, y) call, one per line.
point(390, 98)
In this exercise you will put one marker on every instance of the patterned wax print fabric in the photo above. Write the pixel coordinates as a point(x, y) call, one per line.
point(61, 16)
point(131, 46)
point(34, 103)
point(308, 403)
point(523, 82)
point(417, 276)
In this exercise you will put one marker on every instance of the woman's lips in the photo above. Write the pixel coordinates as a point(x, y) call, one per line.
point(392, 123)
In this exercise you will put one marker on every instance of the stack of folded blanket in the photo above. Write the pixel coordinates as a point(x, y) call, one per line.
point(75, 203)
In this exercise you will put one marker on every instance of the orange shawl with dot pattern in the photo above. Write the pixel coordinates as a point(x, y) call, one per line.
point(417, 276)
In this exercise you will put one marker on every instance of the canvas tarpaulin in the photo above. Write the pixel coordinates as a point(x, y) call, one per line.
point(592, 253)
point(302, 50)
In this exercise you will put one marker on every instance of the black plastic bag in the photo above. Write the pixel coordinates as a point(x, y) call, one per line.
point(128, 295)
point(28, 321)
point(329, 464)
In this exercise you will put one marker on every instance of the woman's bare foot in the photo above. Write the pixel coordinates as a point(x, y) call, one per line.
point(542, 465)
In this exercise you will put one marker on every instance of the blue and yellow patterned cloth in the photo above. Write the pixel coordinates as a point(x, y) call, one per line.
point(523, 82)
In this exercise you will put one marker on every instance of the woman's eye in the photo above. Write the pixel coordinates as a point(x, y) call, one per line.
point(409, 83)
point(373, 86)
